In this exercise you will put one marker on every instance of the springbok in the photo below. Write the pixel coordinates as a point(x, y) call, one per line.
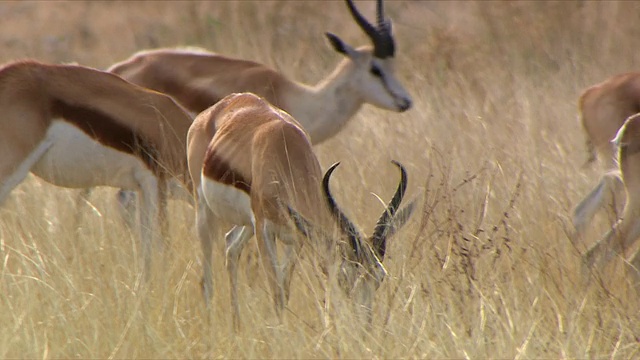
point(78, 127)
point(625, 232)
point(604, 107)
point(198, 79)
point(252, 165)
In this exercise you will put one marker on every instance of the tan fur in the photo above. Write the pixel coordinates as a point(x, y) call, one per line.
point(265, 145)
point(252, 165)
point(604, 107)
point(28, 88)
point(197, 79)
point(200, 79)
point(138, 134)
point(245, 142)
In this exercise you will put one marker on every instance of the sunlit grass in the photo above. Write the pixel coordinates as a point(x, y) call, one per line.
point(485, 269)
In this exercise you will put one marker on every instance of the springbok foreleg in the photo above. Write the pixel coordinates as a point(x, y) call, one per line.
point(127, 200)
point(205, 224)
point(149, 217)
point(12, 175)
point(82, 200)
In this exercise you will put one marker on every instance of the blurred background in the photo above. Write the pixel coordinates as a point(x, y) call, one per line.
point(487, 267)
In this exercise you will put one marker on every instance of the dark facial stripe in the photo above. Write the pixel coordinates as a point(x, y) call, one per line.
point(106, 131)
point(217, 169)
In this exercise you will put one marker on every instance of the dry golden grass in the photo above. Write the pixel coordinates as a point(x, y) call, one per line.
point(486, 269)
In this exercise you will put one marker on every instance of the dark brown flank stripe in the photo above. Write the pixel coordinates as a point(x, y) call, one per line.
point(107, 131)
point(219, 170)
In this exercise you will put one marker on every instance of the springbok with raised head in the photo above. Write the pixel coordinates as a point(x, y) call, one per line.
point(252, 165)
point(199, 79)
point(623, 235)
point(603, 108)
point(78, 127)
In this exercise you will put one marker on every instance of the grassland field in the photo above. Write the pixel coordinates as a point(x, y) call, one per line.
point(487, 268)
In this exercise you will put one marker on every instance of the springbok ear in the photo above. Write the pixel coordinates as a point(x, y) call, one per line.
point(339, 45)
point(400, 219)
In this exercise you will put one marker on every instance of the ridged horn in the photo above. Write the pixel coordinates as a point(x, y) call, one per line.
point(379, 236)
point(345, 224)
point(380, 35)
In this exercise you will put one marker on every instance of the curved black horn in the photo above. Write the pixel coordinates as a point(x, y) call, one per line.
point(345, 224)
point(380, 35)
point(379, 234)
point(380, 14)
point(369, 29)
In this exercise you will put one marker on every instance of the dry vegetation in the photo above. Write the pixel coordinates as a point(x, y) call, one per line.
point(486, 269)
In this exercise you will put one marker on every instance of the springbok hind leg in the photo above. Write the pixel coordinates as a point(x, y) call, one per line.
point(267, 246)
point(616, 242)
point(236, 239)
point(205, 225)
point(604, 193)
point(633, 270)
point(292, 249)
point(633, 265)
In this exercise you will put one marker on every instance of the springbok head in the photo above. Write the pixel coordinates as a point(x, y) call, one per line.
point(361, 271)
point(374, 71)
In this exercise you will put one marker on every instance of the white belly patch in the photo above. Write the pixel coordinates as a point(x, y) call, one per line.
point(76, 160)
point(227, 202)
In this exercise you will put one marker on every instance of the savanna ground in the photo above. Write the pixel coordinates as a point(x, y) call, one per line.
point(487, 267)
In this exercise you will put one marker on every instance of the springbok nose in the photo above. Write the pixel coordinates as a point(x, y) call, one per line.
point(403, 104)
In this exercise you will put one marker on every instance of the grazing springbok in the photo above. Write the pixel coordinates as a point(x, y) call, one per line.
point(603, 108)
point(78, 127)
point(199, 79)
point(623, 235)
point(252, 165)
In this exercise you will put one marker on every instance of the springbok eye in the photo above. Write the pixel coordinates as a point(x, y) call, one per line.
point(375, 71)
